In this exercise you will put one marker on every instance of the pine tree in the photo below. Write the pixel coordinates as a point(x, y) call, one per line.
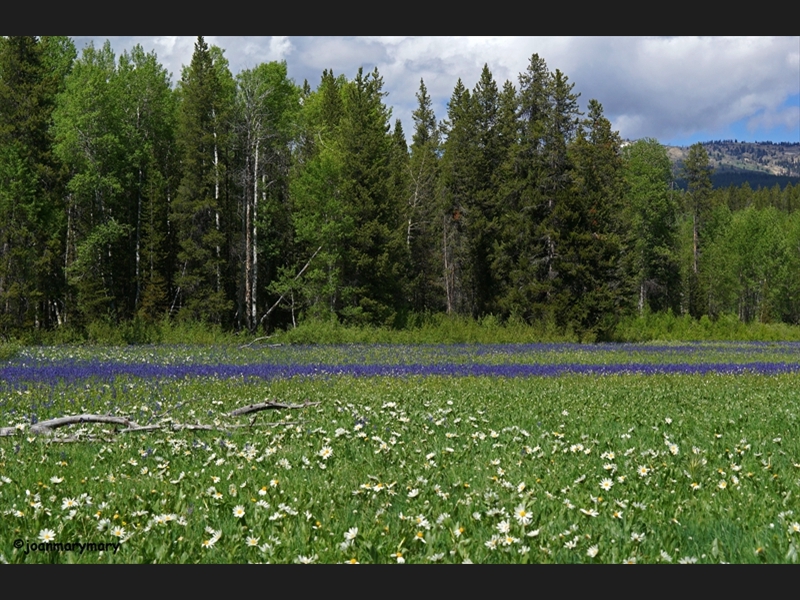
point(483, 224)
point(31, 185)
point(399, 183)
point(420, 217)
point(592, 280)
point(458, 183)
point(520, 244)
point(206, 96)
point(371, 265)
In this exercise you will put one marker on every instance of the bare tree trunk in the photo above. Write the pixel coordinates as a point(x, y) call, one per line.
point(694, 242)
point(248, 262)
point(551, 253)
point(413, 208)
point(138, 242)
point(6, 254)
point(216, 200)
point(70, 238)
point(641, 297)
point(254, 248)
point(447, 267)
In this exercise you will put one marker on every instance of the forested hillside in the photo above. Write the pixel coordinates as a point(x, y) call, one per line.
point(252, 202)
point(759, 164)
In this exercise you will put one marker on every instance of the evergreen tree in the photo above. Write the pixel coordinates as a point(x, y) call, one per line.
point(528, 259)
point(483, 224)
point(399, 182)
point(560, 128)
point(371, 265)
point(420, 216)
point(458, 181)
point(520, 244)
point(591, 277)
point(206, 97)
point(32, 284)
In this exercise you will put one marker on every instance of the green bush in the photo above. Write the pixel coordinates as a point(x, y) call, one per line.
point(649, 327)
point(8, 350)
point(426, 328)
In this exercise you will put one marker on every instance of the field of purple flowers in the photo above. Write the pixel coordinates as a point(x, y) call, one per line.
point(56, 364)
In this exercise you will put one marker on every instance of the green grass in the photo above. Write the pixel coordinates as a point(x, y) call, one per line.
point(437, 459)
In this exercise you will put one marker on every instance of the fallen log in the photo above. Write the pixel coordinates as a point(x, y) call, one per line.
point(251, 408)
point(49, 426)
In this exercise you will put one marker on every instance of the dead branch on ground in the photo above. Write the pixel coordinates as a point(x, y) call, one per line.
point(49, 426)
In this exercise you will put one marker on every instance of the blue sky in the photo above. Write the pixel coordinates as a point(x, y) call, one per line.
point(756, 128)
point(679, 90)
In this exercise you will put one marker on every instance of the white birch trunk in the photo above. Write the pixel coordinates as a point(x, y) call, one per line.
point(216, 200)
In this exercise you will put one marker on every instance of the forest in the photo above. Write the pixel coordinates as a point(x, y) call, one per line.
point(253, 203)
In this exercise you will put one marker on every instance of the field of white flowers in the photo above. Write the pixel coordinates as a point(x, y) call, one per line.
point(632, 467)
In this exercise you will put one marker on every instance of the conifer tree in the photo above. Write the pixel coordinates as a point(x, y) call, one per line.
point(458, 183)
point(31, 187)
point(483, 224)
point(399, 182)
point(420, 215)
point(371, 265)
point(206, 96)
point(524, 253)
point(593, 285)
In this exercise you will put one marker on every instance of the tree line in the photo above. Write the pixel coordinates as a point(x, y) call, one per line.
point(252, 202)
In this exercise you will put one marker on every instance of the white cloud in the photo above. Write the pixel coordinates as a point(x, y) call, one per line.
point(279, 46)
point(788, 118)
point(649, 86)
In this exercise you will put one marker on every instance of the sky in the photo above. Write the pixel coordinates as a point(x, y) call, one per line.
point(679, 90)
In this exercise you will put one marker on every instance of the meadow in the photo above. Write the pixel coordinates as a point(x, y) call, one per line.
point(518, 453)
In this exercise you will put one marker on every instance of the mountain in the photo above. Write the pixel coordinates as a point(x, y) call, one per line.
point(761, 164)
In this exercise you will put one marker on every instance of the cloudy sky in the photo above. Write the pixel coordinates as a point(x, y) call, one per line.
point(679, 90)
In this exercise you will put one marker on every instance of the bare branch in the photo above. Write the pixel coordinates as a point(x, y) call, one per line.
point(48, 427)
point(246, 410)
point(274, 306)
point(258, 339)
